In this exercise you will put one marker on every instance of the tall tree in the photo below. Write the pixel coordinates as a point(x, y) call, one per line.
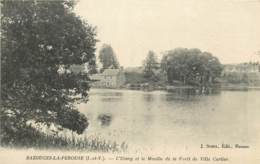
point(92, 67)
point(150, 64)
point(107, 57)
point(38, 39)
point(191, 66)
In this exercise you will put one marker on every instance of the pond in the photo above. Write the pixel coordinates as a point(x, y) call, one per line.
point(160, 120)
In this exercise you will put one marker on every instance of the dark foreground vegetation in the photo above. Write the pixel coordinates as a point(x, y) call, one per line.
point(40, 42)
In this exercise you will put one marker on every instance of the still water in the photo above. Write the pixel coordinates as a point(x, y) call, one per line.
point(160, 120)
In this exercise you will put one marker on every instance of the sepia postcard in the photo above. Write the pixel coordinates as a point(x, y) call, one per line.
point(130, 81)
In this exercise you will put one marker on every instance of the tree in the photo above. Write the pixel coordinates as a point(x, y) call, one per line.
point(150, 64)
point(191, 66)
point(107, 57)
point(92, 67)
point(164, 62)
point(38, 39)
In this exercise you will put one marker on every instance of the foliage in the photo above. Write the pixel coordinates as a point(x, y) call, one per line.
point(191, 66)
point(236, 78)
point(108, 57)
point(92, 67)
point(134, 78)
point(38, 39)
point(150, 65)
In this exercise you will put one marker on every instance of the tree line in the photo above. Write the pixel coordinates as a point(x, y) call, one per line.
point(178, 66)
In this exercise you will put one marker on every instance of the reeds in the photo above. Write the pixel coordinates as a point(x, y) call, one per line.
point(82, 143)
point(39, 140)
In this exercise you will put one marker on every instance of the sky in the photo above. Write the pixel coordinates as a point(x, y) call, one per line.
point(229, 29)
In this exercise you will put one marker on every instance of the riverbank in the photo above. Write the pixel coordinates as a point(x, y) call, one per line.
point(230, 87)
point(234, 87)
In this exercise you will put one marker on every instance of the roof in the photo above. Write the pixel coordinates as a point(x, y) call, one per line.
point(111, 72)
point(107, 72)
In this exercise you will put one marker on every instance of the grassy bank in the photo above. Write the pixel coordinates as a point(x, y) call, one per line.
point(38, 140)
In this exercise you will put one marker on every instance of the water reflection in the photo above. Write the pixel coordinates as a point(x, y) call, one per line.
point(196, 91)
point(148, 97)
point(111, 96)
point(111, 99)
point(114, 94)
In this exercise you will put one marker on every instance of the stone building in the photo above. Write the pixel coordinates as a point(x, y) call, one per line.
point(110, 78)
point(248, 73)
point(242, 68)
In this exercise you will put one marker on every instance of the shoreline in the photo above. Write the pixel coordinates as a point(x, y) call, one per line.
point(173, 88)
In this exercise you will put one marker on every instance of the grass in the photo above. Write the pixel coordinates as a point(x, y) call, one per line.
point(38, 140)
